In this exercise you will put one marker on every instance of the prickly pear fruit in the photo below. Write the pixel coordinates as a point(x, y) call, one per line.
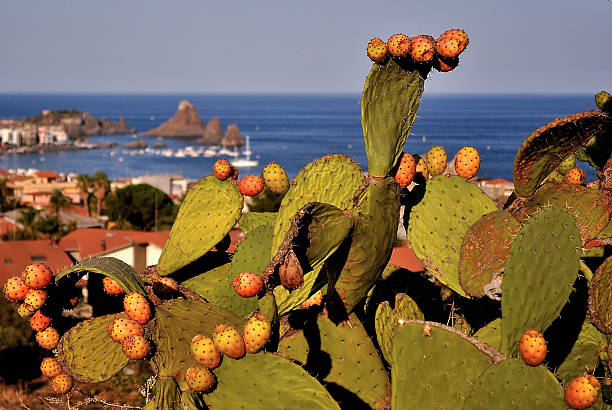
point(275, 176)
point(39, 321)
point(135, 347)
point(398, 45)
point(25, 310)
point(165, 286)
point(422, 48)
point(120, 328)
point(567, 164)
point(48, 338)
point(458, 35)
point(228, 341)
point(377, 50)
point(582, 392)
point(35, 298)
point(222, 169)
point(436, 160)
point(314, 300)
point(61, 384)
point(111, 286)
point(50, 367)
point(421, 169)
point(248, 284)
point(467, 162)
point(256, 333)
point(290, 272)
point(574, 176)
point(37, 275)
point(448, 47)
point(15, 289)
point(532, 347)
point(204, 351)
point(251, 185)
point(602, 99)
point(405, 171)
point(199, 378)
point(137, 307)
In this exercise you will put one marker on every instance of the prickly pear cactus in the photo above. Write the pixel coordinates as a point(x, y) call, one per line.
point(490, 334)
point(438, 223)
point(539, 274)
point(600, 294)
point(584, 355)
point(388, 320)
point(207, 282)
point(210, 209)
point(250, 220)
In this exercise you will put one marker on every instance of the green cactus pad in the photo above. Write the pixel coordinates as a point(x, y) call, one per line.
point(513, 384)
point(389, 106)
point(543, 150)
point(584, 355)
point(438, 223)
point(600, 295)
point(434, 366)
point(484, 250)
point(342, 355)
point(114, 268)
point(176, 322)
point(266, 381)
point(88, 353)
point(167, 396)
point(209, 211)
point(387, 321)
point(251, 256)
point(539, 274)
point(332, 179)
point(490, 334)
point(250, 220)
point(205, 283)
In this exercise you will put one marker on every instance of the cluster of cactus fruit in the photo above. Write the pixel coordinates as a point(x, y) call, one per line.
point(310, 295)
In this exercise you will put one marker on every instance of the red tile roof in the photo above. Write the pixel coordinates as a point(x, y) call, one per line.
point(88, 241)
point(46, 174)
point(497, 181)
point(16, 255)
point(7, 226)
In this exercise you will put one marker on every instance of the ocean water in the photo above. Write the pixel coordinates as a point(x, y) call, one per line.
point(292, 129)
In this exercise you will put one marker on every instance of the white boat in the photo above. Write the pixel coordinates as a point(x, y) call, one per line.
point(225, 151)
point(245, 162)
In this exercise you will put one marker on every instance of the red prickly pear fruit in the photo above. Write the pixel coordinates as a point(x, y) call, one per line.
point(137, 307)
point(222, 169)
point(582, 392)
point(256, 333)
point(421, 169)
point(228, 341)
point(248, 284)
point(35, 298)
point(399, 45)
point(204, 351)
point(135, 347)
point(467, 162)
point(15, 289)
point(532, 347)
point(48, 338)
point(276, 179)
point(61, 384)
point(50, 367)
point(422, 48)
point(25, 310)
point(567, 164)
point(405, 171)
point(199, 378)
point(120, 328)
point(457, 34)
point(448, 47)
point(165, 287)
point(444, 64)
point(377, 50)
point(234, 174)
point(574, 176)
point(251, 185)
point(111, 286)
point(314, 300)
point(39, 321)
point(37, 275)
point(436, 160)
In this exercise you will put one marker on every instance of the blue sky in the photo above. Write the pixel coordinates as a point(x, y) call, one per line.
point(189, 46)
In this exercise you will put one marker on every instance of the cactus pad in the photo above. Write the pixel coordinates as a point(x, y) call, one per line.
point(490, 334)
point(250, 220)
point(389, 105)
point(441, 360)
point(539, 274)
point(438, 223)
point(88, 353)
point(205, 283)
point(209, 211)
point(543, 150)
point(584, 355)
point(484, 250)
point(600, 295)
point(342, 355)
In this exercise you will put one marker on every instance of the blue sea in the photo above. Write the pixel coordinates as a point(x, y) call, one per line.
point(291, 129)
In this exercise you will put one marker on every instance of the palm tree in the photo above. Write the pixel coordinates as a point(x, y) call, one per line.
point(101, 186)
point(84, 186)
point(59, 201)
point(28, 219)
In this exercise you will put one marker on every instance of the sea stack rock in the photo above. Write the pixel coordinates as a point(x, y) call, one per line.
point(213, 134)
point(185, 123)
point(232, 138)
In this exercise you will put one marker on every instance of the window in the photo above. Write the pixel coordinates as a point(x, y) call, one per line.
point(38, 258)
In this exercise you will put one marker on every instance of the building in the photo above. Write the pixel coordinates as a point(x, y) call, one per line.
point(36, 189)
point(10, 136)
point(52, 134)
point(16, 255)
point(175, 186)
point(498, 189)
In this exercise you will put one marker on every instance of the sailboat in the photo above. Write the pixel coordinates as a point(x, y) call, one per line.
point(245, 162)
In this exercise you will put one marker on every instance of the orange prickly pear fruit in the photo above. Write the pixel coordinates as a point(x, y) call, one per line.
point(137, 307)
point(256, 333)
point(35, 298)
point(61, 384)
point(448, 47)
point(275, 177)
point(377, 50)
point(37, 276)
point(574, 176)
point(398, 45)
point(457, 34)
point(48, 338)
point(436, 160)
point(15, 289)
point(251, 185)
point(50, 367)
point(111, 286)
point(422, 48)
point(199, 378)
point(222, 169)
point(421, 169)
point(229, 341)
point(532, 347)
point(204, 351)
point(39, 321)
point(405, 171)
point(467, 162)
point(582, 392)
point(120, 328)
point(248, 284)
point(314, 300)
point(135, 347)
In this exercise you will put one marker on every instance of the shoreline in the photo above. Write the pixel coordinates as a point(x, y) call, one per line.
point(41, 149)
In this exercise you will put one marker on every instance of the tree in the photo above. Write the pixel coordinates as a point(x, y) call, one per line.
point(7, 202)
point(141, 207)
point(58, 202)
point(27, 219)
point(84, 186)
point(101, 186)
